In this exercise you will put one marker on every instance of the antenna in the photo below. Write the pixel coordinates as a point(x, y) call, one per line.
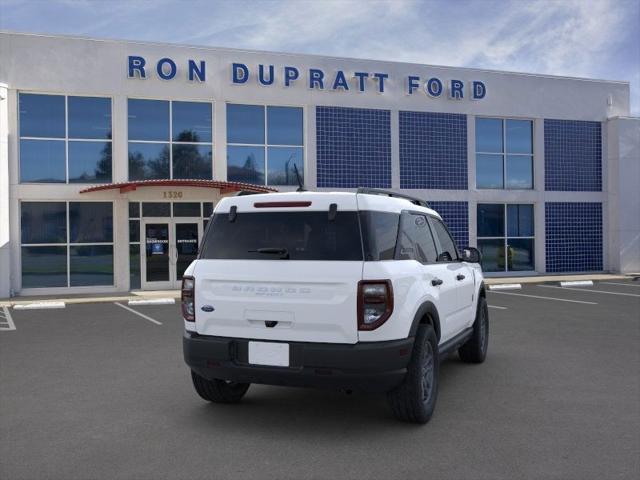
point(300, 184)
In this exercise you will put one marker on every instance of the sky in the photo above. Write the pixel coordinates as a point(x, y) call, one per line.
point(580, 38)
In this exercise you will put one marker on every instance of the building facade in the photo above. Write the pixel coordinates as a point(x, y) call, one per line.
point(113, 155)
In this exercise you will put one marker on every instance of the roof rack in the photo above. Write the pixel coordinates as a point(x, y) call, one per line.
point(389, 193)
point(243, 193)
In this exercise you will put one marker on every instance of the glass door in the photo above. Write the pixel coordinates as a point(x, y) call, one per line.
point(186, 239)
point(156, 259)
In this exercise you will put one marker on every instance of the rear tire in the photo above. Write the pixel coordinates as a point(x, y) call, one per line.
point(219, 391)
point(474, 350)
point(415, 399)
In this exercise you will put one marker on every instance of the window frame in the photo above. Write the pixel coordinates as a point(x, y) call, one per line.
point(266, 145)
point(506, 236)
point(66, 139)
point(436, 239)
point(67, 244)
point(170, 142)
point(403, 214)
point(504, 154)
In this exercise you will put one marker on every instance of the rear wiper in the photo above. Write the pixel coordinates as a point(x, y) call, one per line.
point(283, 252)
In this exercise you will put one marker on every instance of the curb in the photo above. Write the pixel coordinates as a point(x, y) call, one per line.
point(152, 301)
point(506, 286)
point(72, 301)
point(577, 283)
point(39, 305)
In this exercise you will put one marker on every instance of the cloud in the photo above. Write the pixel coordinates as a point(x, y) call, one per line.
point(589, 38)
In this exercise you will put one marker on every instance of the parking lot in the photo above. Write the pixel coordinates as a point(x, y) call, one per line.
point(101, 391)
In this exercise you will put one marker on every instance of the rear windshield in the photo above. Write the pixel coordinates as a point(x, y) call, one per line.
point(283, 236)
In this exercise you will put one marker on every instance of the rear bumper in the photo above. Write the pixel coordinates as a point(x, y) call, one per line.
point(369, 367)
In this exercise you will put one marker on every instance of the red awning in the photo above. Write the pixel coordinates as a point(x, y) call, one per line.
point(224, 187)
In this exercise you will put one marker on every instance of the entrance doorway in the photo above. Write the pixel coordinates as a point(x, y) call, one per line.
point(169, 246)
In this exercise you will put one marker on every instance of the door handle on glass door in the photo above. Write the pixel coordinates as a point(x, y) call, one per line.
point(436, 281)
point(460, 277)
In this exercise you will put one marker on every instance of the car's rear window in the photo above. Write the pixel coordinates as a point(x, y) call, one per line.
point(283, 235)
point(379, 233)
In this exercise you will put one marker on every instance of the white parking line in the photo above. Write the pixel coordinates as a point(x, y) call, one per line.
point(622, 284)
point(495, 306)
point(591, 290)
point(8, 320)
point(546, 298)
point(138, 313)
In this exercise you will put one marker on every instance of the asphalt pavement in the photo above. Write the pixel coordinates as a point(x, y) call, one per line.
point(97, 391)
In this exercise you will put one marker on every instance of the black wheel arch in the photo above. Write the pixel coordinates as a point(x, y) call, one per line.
point(482, 291)
point(426, 314)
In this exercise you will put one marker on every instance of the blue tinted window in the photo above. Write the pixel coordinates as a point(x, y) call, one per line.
point(41, 115)
point(134, 267)
point(43, 222)
point(520, 220)
point(148, 120)
point(89, 162)
point(520, 171)
point(148, 161)
point(44, 267)
point(489, 135)
point(207, 209)
point(493, 257)
point(281, 161)
point(89, 117)
point(192, 161)
point(91, 265)
point(156, 209)
point(186, 209)
point(245, 164)
point(134, 230)
point(90, 222)
point(519, 136)
point(489, 171)
point(520, 254)
point(191, 122)
point(134, 210)
point(490, 220)
point(284, 126)
point(245, 124)
point(42, 161)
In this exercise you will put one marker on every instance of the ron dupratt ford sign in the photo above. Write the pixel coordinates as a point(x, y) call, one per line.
point(314, 78)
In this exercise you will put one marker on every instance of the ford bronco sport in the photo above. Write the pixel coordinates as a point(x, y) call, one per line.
point(353, 291)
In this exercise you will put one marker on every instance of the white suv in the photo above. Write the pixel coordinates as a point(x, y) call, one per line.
point(355, 291)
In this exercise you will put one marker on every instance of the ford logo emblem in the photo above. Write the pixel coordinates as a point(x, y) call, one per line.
point(207, 308)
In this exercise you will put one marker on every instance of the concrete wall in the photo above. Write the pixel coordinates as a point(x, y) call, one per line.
point(623, 152)
point(5, 246)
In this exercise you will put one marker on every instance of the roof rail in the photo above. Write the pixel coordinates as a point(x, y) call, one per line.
point(243, 193)
point(389, 193)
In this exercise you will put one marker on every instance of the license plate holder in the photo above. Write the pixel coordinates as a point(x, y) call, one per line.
point(270, 354)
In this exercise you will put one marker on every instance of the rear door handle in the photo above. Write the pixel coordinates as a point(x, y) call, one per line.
point(436, 281)
point(460, 277)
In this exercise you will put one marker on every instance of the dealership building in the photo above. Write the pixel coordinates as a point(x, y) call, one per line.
point(114, 153)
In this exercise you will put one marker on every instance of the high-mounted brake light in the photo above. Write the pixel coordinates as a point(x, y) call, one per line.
point(189, 299)
point(281, 204)
point(375, 303)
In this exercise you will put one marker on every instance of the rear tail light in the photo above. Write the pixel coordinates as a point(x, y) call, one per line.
point(375, 303)
point(188, 299)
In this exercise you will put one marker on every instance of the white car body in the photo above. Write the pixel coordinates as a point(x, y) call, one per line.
point(354, 291)
point(315, 301)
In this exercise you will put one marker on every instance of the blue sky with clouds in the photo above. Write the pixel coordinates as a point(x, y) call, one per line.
point(583, 38)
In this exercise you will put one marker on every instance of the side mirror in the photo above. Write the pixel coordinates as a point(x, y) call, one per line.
point(471, 255)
